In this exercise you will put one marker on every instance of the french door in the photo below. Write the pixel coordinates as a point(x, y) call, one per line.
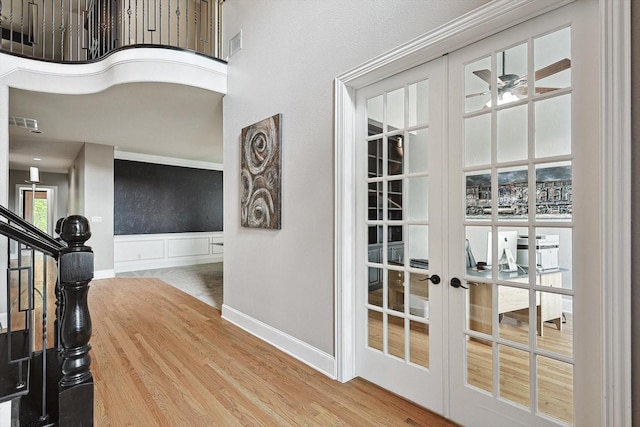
point(478, 174)
point(400, 309)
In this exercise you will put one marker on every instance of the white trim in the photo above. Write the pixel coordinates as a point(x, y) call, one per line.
point(104, 274)
point(489, 19)
point(151, 251)
point(615, 110)
point(161, 160)
point(125, 66)
point(292, 346)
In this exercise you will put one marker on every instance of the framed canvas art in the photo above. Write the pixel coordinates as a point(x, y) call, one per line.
point(260, 175)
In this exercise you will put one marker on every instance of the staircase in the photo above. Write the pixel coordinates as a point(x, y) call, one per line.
point(45, 376)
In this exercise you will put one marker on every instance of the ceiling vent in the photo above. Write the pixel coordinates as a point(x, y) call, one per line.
point(21, 122)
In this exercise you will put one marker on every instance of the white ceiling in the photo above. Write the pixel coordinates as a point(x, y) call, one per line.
point(159, 119)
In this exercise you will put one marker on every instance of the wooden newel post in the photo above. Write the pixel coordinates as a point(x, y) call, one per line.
point(76, 271)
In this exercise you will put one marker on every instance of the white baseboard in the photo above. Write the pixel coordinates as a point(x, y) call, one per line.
point(5, 413)
point(165, 263)
point(3, 321)
point(292, 346)
point(104, 274)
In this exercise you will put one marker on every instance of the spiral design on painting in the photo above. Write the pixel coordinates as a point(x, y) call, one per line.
point(260, 178)
point(260, 145)
point(261, 209)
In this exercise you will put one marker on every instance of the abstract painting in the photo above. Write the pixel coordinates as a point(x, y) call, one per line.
point(260, 175)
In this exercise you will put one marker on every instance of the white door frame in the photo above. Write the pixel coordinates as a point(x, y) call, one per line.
point(615, 134)
point(51, 201)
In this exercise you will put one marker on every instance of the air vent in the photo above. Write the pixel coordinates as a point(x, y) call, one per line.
point(235, 44)
point(21, 122)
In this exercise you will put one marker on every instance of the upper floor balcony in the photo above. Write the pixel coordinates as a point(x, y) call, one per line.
point(73, 31)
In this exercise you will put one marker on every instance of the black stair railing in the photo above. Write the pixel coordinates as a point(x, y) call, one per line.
point(57, 387)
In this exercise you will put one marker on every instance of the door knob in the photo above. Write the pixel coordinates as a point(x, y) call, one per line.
point(457, 283)
point(435, 279)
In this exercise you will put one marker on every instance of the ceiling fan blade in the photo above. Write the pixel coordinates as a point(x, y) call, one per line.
point(471, 95)
point(556, 67)
point(484, 75)
point(545, 89)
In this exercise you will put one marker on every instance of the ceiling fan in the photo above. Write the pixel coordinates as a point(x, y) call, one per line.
point(517, 86)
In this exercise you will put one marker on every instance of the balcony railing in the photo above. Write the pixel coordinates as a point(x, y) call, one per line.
point(85, 30)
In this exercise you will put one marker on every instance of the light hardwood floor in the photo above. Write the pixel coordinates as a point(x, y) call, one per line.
point(164, 358)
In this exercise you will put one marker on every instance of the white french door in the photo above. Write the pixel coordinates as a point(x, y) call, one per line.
point(400, 310)
point(478, 177)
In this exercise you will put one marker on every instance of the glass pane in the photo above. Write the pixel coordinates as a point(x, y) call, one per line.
point(552, 59)
point(480, 307)
point(554, 191)
point(395, 295)
point(419, 343)
point(477, 84)
point(513, 314)
point(513, 193)
point(418, 148)
point(395, 110)
point(418, 198)
point(480, 363)
point(395, 245)
point(374, 158)
point(374, 294)
point(374, 330)
point(513, 134)
point(394, 201)
point(478, 195)
point(549, 312)
point(419, 295)
point(375, 237)
point(553, 126)
point(512, 72)
point(554, 255)
point(395, 336)
point(477, 140)
point(555, 389)
point(419, 103)
point(374, 115)
point(395, 150)
point(418, 245)
point(375, 201)
point(557, 332)
point(476, 251)
point(508, 246)
point(514, 375)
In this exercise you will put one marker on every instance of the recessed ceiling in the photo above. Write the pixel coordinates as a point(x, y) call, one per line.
point(159, 119)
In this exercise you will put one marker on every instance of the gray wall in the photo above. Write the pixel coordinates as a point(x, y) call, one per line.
point(635, 219)
point(292, 51)
point(91, 195)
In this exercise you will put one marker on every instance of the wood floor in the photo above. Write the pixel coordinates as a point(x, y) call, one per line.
point(163, 358)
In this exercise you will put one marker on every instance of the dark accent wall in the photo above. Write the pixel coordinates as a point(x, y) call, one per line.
point(151, 198)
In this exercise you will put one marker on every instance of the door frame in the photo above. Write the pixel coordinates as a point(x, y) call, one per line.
point(51, 201)
point(615, 101)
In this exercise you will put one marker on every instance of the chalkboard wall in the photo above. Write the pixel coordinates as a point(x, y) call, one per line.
point(151, 198)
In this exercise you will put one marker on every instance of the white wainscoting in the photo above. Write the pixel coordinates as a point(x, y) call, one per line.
point(149, 251)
